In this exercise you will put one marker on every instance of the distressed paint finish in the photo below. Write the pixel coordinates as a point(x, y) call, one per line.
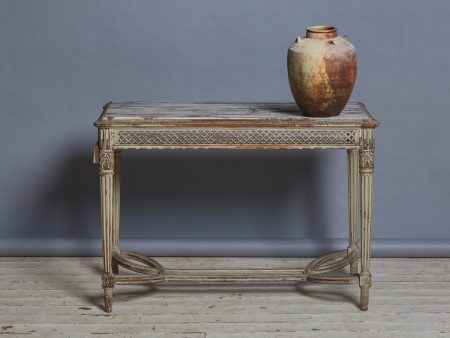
point(106, 162)
point(140, 125)
point(225, 115)
point(116, 208)
point(366, 168)
point(353, 191)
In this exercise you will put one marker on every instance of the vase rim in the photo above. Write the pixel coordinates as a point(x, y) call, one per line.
point(321, 29)
point(321, 32)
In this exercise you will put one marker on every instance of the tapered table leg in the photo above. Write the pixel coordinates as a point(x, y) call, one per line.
point(107, 212)
point(366, 167)
point(116, 220)
point(353, 190)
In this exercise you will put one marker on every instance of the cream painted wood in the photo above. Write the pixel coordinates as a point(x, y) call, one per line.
point(353, 195)
point(107, 211)
point(59, 296)
point(366, 166)
point(116, 221)
point(164, 125)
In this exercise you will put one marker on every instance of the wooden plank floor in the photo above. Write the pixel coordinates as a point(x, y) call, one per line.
point(54, 297)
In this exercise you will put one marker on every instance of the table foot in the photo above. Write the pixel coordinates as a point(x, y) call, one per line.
point(108, 299)
point(364, 300)
point(108, 285)
point(365, 282)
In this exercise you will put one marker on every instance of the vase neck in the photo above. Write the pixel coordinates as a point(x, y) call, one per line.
point(321, 32)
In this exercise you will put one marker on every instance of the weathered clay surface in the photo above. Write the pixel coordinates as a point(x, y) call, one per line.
point(322, 71)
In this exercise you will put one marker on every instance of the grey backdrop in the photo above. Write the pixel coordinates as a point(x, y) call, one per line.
point(60, 61)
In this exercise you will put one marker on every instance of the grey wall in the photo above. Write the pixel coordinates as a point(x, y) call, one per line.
point(61, 60)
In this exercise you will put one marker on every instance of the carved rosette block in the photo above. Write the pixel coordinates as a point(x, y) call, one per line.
point(365, 281)
point(107, 281)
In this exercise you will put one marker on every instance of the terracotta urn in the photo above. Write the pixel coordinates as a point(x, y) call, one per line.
point(322, 71)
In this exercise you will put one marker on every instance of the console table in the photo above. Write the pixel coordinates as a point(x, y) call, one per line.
point(176, 125)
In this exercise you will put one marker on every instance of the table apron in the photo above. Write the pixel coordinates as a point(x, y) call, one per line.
point(235, 138)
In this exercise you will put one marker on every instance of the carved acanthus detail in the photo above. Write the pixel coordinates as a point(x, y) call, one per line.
point(107, 281)
point(106, 160)
point(367, 151)
point(366, 160)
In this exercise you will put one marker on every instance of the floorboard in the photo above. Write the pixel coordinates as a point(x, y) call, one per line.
point(54, 297)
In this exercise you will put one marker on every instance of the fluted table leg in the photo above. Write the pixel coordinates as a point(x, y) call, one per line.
point(353, 190)
point(107, 212)
point(116, 220)
point(366, 167)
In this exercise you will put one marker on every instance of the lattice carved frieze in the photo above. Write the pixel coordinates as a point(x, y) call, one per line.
point(236, 136)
